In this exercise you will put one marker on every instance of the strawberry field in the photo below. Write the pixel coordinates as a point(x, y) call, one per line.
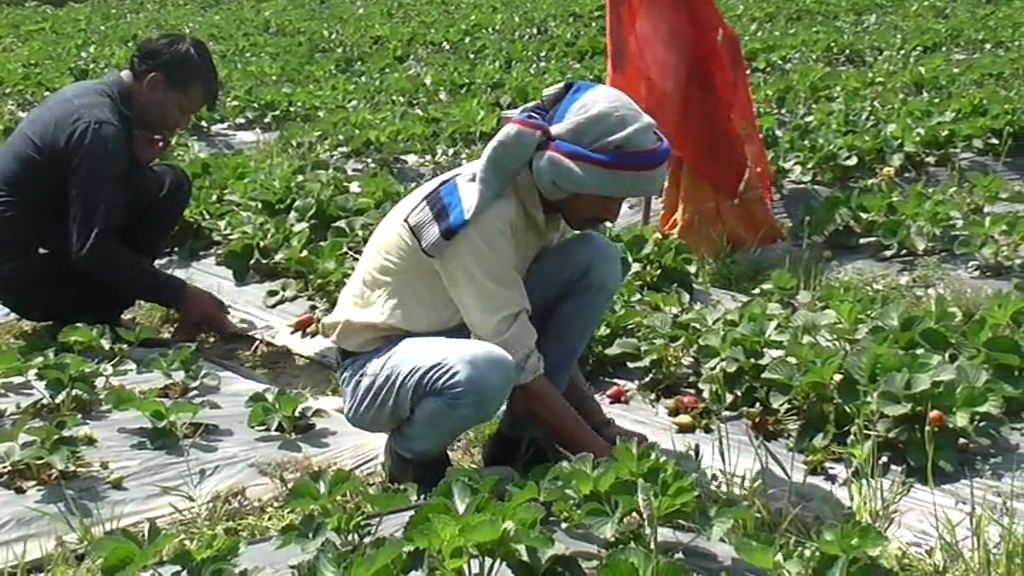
point(878, 366)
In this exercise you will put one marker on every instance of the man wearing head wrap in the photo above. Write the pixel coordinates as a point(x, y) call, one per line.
point(481, 289)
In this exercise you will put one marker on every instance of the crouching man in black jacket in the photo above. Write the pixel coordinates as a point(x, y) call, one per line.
point(85, 212)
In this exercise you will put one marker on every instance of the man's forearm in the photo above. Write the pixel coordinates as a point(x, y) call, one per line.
point(557, 418)
point(131, 274)
point(579, 395)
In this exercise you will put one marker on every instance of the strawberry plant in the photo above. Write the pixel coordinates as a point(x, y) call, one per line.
point(67, 377)
point(465, 524)
point(41, 454)
point(638, 560)
point(124, 552)
point(281, 411)
point(12, 365)
point(67, 384)
point(954, 217)
point(171, 422)
point(184, 371)
point(956, 400)
point(640, 331)
point(848, 548)
point(214, 554)
point(336, 510)
point(820, 370)
point(623, 499)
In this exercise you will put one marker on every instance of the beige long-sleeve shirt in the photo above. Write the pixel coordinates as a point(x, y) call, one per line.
point(396, 290)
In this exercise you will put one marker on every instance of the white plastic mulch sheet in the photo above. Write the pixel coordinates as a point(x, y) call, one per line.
point(27, 533)
point(785, 476)
point(155, 482)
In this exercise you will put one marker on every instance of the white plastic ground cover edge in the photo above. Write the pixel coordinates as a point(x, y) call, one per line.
point(915, 526)
point(31, 523)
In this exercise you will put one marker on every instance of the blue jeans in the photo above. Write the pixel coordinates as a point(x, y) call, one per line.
point(426, 390)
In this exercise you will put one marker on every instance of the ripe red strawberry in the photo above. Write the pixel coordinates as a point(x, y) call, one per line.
point(303, 323)
point(688, 403)
point(615, 394)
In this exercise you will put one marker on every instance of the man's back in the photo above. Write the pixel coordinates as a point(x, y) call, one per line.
point(397, 289)
point(34, 164)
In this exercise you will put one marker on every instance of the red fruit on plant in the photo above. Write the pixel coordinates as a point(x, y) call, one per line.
point(303, 323)
point(615, 394)
point(936, 419)
point(688, 403)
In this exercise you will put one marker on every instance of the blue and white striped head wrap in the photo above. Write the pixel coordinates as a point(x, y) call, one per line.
point(580, 138)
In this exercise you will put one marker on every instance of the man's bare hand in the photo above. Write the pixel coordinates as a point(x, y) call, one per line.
point(556, 418)
point(613, 434)
point(581, 397)
point(149, 147)
point(201, 312)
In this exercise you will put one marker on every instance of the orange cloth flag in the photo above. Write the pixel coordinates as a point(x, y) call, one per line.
point(683, 65)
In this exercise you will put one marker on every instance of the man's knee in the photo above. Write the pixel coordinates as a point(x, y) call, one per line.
point(484, 376)
point(602, 260)
point(174, 188)
point(471, 379)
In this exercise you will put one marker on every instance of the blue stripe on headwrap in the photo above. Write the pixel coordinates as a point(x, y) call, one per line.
point(534, 118)
point(579, 88)
point(622, 161)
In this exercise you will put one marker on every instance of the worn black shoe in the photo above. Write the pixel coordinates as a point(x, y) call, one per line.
point(522, 454)
point(425, 474)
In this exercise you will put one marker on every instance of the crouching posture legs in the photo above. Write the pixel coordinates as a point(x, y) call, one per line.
point(424, 391)
point(571, 286)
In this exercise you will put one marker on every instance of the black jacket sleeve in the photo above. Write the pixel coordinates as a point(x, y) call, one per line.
point(100, 157)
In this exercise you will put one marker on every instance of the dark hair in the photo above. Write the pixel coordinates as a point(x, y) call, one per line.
point(182, 60)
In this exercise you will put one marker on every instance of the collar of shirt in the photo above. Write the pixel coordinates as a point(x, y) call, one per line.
point(121, 96)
